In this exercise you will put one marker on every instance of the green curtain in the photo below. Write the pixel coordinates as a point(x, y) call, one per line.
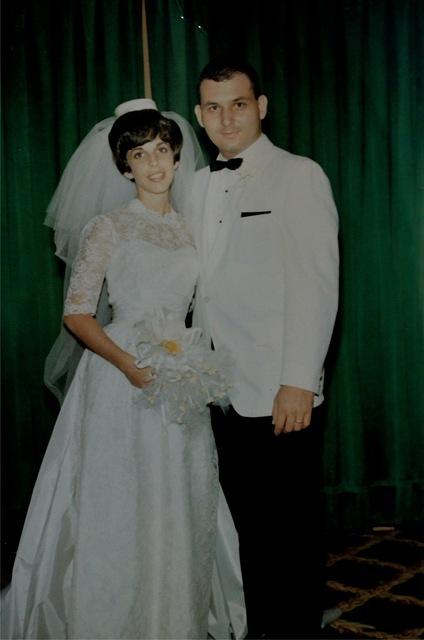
point(65, 67)
point(345, 83)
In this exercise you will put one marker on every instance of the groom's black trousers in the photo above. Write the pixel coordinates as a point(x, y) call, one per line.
point(272, 485)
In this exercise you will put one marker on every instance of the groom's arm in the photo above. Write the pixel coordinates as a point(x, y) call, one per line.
point(309, 227)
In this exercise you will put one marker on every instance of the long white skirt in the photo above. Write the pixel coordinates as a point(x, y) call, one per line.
point(120, 539)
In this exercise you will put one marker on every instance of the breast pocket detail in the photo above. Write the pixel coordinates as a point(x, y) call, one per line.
point(246, 214)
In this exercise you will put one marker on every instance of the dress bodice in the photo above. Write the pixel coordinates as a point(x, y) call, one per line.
point(148, 261)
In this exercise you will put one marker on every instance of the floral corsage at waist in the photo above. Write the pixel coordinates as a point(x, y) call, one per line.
point(187, 374)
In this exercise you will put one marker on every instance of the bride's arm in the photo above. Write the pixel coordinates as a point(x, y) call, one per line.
point(90, 332)
point(98, 241)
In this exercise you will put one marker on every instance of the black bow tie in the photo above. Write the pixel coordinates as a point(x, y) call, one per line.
point(232, 164)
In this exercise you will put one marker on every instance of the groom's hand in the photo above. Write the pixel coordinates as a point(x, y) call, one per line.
point(292, 409)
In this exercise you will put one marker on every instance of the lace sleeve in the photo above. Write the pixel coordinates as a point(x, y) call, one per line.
point(89, 268)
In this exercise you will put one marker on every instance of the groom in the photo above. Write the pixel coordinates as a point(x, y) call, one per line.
point(266, 227)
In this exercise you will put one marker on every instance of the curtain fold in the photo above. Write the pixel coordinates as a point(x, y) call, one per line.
point(179, 48)
point(66, 66)
point(345, 83)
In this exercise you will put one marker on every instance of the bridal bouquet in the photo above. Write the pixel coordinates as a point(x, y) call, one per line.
point(188, 375)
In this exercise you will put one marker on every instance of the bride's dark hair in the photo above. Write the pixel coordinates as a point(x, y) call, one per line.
point(135, 128)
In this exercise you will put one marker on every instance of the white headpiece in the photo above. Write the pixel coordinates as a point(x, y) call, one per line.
point(135, 105)
point(92, 185)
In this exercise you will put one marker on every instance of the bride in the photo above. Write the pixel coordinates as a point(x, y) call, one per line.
point(120, 539)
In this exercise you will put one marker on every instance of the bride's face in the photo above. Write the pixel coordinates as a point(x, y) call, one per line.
point(152, 166)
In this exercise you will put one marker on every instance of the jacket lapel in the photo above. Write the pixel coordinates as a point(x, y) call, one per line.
point(198, 208)
point(249, 183)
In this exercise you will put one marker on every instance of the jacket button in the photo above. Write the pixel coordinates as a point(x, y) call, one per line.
point(206, 299)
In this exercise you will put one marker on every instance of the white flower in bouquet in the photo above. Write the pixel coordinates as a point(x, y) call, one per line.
point(188, 375)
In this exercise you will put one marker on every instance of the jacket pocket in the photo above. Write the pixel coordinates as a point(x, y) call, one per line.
point(245, 214)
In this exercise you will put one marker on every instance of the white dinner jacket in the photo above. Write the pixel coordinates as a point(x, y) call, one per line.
point(268, 288)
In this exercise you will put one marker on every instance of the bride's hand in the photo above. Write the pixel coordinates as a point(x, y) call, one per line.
point(140, 378)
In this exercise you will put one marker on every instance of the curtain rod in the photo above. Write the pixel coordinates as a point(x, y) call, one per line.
point(146, 59)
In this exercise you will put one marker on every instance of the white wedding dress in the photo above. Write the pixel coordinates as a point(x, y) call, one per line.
point(120, 536)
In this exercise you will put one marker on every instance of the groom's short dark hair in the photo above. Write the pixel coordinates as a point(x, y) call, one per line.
point(224, 68)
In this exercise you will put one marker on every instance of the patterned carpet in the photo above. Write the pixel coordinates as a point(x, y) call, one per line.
point(376, 580)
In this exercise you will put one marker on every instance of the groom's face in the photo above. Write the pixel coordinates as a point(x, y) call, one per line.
point(230, 113)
